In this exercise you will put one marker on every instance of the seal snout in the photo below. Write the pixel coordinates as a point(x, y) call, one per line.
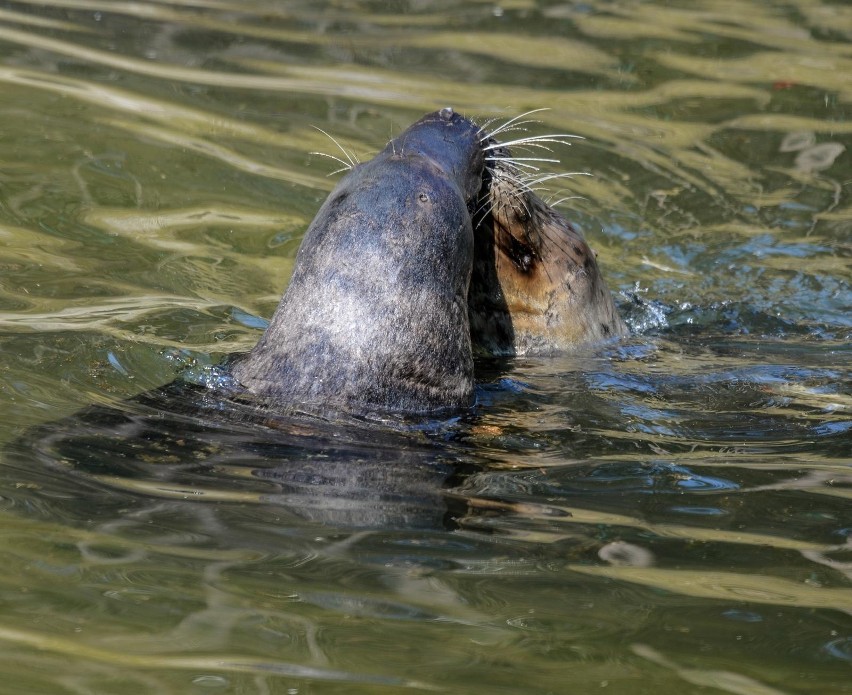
point(452, 143)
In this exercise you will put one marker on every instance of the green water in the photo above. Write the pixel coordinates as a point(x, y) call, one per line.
point(670, 514)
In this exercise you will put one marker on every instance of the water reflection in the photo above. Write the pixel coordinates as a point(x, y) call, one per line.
point(185, 441)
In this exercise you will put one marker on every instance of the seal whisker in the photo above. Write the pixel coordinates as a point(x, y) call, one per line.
point(521, 166)
point(515, 193)
point(520, 197)
point(532, 139)
point(511, 160)
point(566, 198)
point(518, 181)
point(514, 120)
point(485, 125)
point(350, 156)
point(550, 177)
point(516, 176)
point(347, 166)
point(480, 212)
point(337, 171)
point(527, 147)
point(516, 127)
point(527, 159)
point(481, 203)
point(522, 162)
point(520, 169)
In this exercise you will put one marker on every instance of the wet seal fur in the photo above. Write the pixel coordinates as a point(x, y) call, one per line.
point(375, 316)
point(432, 249)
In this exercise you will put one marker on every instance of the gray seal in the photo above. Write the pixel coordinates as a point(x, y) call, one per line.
point(375, 316)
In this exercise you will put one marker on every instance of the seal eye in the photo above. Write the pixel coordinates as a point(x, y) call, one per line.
point(424, 198)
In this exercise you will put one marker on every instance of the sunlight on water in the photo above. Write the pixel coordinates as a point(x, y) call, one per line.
point(671, 513)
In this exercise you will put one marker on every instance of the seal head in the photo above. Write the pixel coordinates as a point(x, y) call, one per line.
point(375, 316)
point(536, 287)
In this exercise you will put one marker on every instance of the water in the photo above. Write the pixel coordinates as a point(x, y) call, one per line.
point(668, 514)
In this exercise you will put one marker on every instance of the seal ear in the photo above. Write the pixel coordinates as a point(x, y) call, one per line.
point(514, 243)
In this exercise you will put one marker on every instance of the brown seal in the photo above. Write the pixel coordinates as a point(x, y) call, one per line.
point(536, 286)
point(400, 276)
point(375, 316)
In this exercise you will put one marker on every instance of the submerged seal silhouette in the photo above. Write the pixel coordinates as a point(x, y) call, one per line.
point(430, 250)
point(435, 248)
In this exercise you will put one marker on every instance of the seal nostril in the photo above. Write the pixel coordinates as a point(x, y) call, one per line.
point(446, 113)
point(424, 198)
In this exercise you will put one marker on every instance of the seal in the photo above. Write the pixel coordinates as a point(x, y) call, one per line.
point(375, 316)
point(536, 287)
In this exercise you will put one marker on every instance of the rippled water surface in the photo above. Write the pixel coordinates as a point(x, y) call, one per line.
point(668, 514)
